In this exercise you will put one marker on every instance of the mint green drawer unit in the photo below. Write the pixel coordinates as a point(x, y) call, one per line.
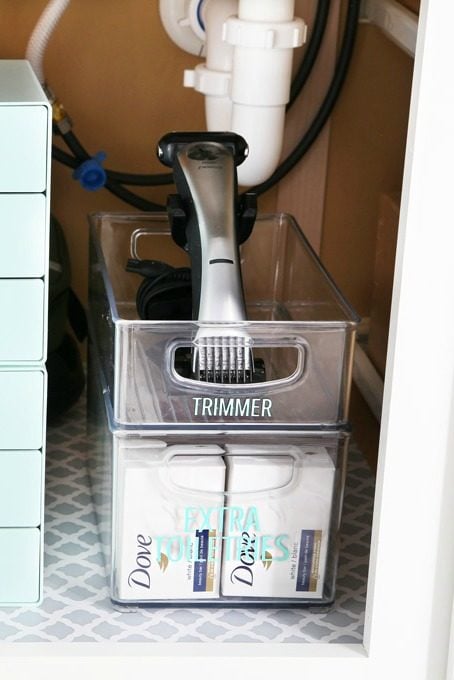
point(20, 566)
point(23, 144)
point(21, 481)
point(23, 235)
point(22, 411)
point(22, 311)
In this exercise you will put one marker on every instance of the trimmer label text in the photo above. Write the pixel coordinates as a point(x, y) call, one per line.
point(233, 407)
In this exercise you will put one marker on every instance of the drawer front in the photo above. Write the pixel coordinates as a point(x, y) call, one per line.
point(20, 566)
point(22, 313)
point(23, 144)
point(21, 475)
point(23, 231)
point(21, 409)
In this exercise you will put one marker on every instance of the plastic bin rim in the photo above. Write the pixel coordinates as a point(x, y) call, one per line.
point(352, 318)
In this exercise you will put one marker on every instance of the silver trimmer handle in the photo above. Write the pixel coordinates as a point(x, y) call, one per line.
point(209, 172)
point(204, 170)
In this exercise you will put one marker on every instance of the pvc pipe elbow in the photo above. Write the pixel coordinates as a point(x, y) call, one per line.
point(218, 113)
point(182, 22)
point(263, 128)
point(261, 77)
point(247, 76)
point(213, 78)
point(266, 10)
point(219, 54)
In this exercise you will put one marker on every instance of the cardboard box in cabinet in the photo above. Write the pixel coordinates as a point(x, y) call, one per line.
point(412, 5)
point(388, 223)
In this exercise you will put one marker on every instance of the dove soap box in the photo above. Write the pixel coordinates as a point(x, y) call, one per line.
point(169, 523)
point(279, 549)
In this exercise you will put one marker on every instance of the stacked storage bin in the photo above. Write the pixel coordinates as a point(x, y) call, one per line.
point(228, 494)
point(25, 121)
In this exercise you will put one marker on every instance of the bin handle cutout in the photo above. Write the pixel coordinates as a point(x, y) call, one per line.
point(285, 485)
point(300, 361)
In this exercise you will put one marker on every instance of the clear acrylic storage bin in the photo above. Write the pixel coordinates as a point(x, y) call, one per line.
point(299, 327)
point(216, 519)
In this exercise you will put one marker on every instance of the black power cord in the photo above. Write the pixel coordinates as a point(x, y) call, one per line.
point(324, 112)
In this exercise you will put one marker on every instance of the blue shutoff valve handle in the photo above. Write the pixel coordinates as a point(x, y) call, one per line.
point(91, 174)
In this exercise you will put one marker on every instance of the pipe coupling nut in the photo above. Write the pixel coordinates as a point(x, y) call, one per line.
point(264, 35)
point(207, 81)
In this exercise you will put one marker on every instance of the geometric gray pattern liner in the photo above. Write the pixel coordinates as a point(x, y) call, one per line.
point(76, 605)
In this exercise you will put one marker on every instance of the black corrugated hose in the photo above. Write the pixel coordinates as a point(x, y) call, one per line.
point(311, 51)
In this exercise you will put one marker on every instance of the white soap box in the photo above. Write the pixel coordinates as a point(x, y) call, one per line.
point(169, 522)
point(279, 546)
